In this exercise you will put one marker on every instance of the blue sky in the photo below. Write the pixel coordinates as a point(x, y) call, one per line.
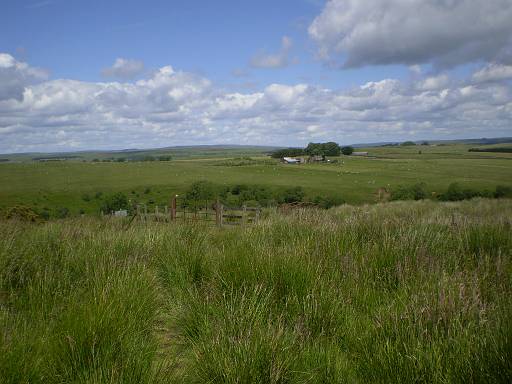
point(77, 39)
point(262, 72)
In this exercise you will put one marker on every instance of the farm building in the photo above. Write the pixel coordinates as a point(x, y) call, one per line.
point(291, 160)
point(315, 158)
point(359, 153)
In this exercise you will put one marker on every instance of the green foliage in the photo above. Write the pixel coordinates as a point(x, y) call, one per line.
point(347, 151)
point(291, 195)
point(408, 143)
point(202, 190)
point(287, 152)
point(492, 149)
point(165, 158)
point(503, 191)
point(412, 192)
point(323, 149)
point(22, 213)
point(114, 202)
point(456, 192)
point(327, 202)
point(62, 213)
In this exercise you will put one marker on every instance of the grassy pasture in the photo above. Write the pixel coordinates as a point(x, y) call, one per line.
point(64, 184)
point(390, 293)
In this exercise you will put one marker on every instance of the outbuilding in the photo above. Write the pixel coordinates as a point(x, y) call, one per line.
point(290, 160)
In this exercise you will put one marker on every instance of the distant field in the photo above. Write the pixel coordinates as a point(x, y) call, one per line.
point(70, 183)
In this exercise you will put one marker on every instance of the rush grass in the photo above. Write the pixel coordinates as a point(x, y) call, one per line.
point(399, 292)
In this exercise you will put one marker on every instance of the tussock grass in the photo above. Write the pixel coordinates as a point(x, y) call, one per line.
point(399, 292)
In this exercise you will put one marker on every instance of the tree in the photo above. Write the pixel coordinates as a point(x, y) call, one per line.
point(323, 149)
point(331, 149)
point(287, 152)
point(347, 151)
point(408, 143)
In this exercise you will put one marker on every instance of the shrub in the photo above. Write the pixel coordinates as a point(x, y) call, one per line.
point(115, 202)
point(327, 202)
point(502, 191)
point(22, 213)
point(86, 197)
point(413, 192)
point(291, 195)
point(408, 143)
point(456, 193)
point(44, 214)
point(238, 188)
point(62, 212)
point(201, 190)
point(347, 151)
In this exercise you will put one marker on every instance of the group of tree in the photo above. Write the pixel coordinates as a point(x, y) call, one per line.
point(287, 152)
point(314, 149)
point(323, 149)
point(135, 158)
point(254, 195)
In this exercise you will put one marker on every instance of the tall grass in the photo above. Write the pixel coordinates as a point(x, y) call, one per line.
point(399, 292)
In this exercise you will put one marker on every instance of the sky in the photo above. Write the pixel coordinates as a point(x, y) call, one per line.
point(82, 75)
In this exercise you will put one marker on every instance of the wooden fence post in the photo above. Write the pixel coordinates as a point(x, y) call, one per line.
point(172, 205)
point(244, 215)
point(218, 213)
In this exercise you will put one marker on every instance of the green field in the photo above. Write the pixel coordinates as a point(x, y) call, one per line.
point(404, 292)
point(58, 184)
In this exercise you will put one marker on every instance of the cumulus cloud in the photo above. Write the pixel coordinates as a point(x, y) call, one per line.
point(277, 60)
point(173, 107)
point(356, 33)
point(124, 69)
point(493, 72)
point(15, 76)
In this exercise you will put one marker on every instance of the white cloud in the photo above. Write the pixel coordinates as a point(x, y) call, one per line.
point(124, 69)
point(277, 60)
point(434, 82)
point(493, 72)
point(172, 107)
point(355, 33)
point(15, 76)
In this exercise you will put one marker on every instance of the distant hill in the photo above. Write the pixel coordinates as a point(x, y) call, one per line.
point(482, 141)
point(202, 151)
point(176, 152)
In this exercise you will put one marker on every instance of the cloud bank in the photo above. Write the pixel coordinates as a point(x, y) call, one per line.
point(173, 107)
point(355, 33)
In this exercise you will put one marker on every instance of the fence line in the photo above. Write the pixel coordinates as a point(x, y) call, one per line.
point(212, 211)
